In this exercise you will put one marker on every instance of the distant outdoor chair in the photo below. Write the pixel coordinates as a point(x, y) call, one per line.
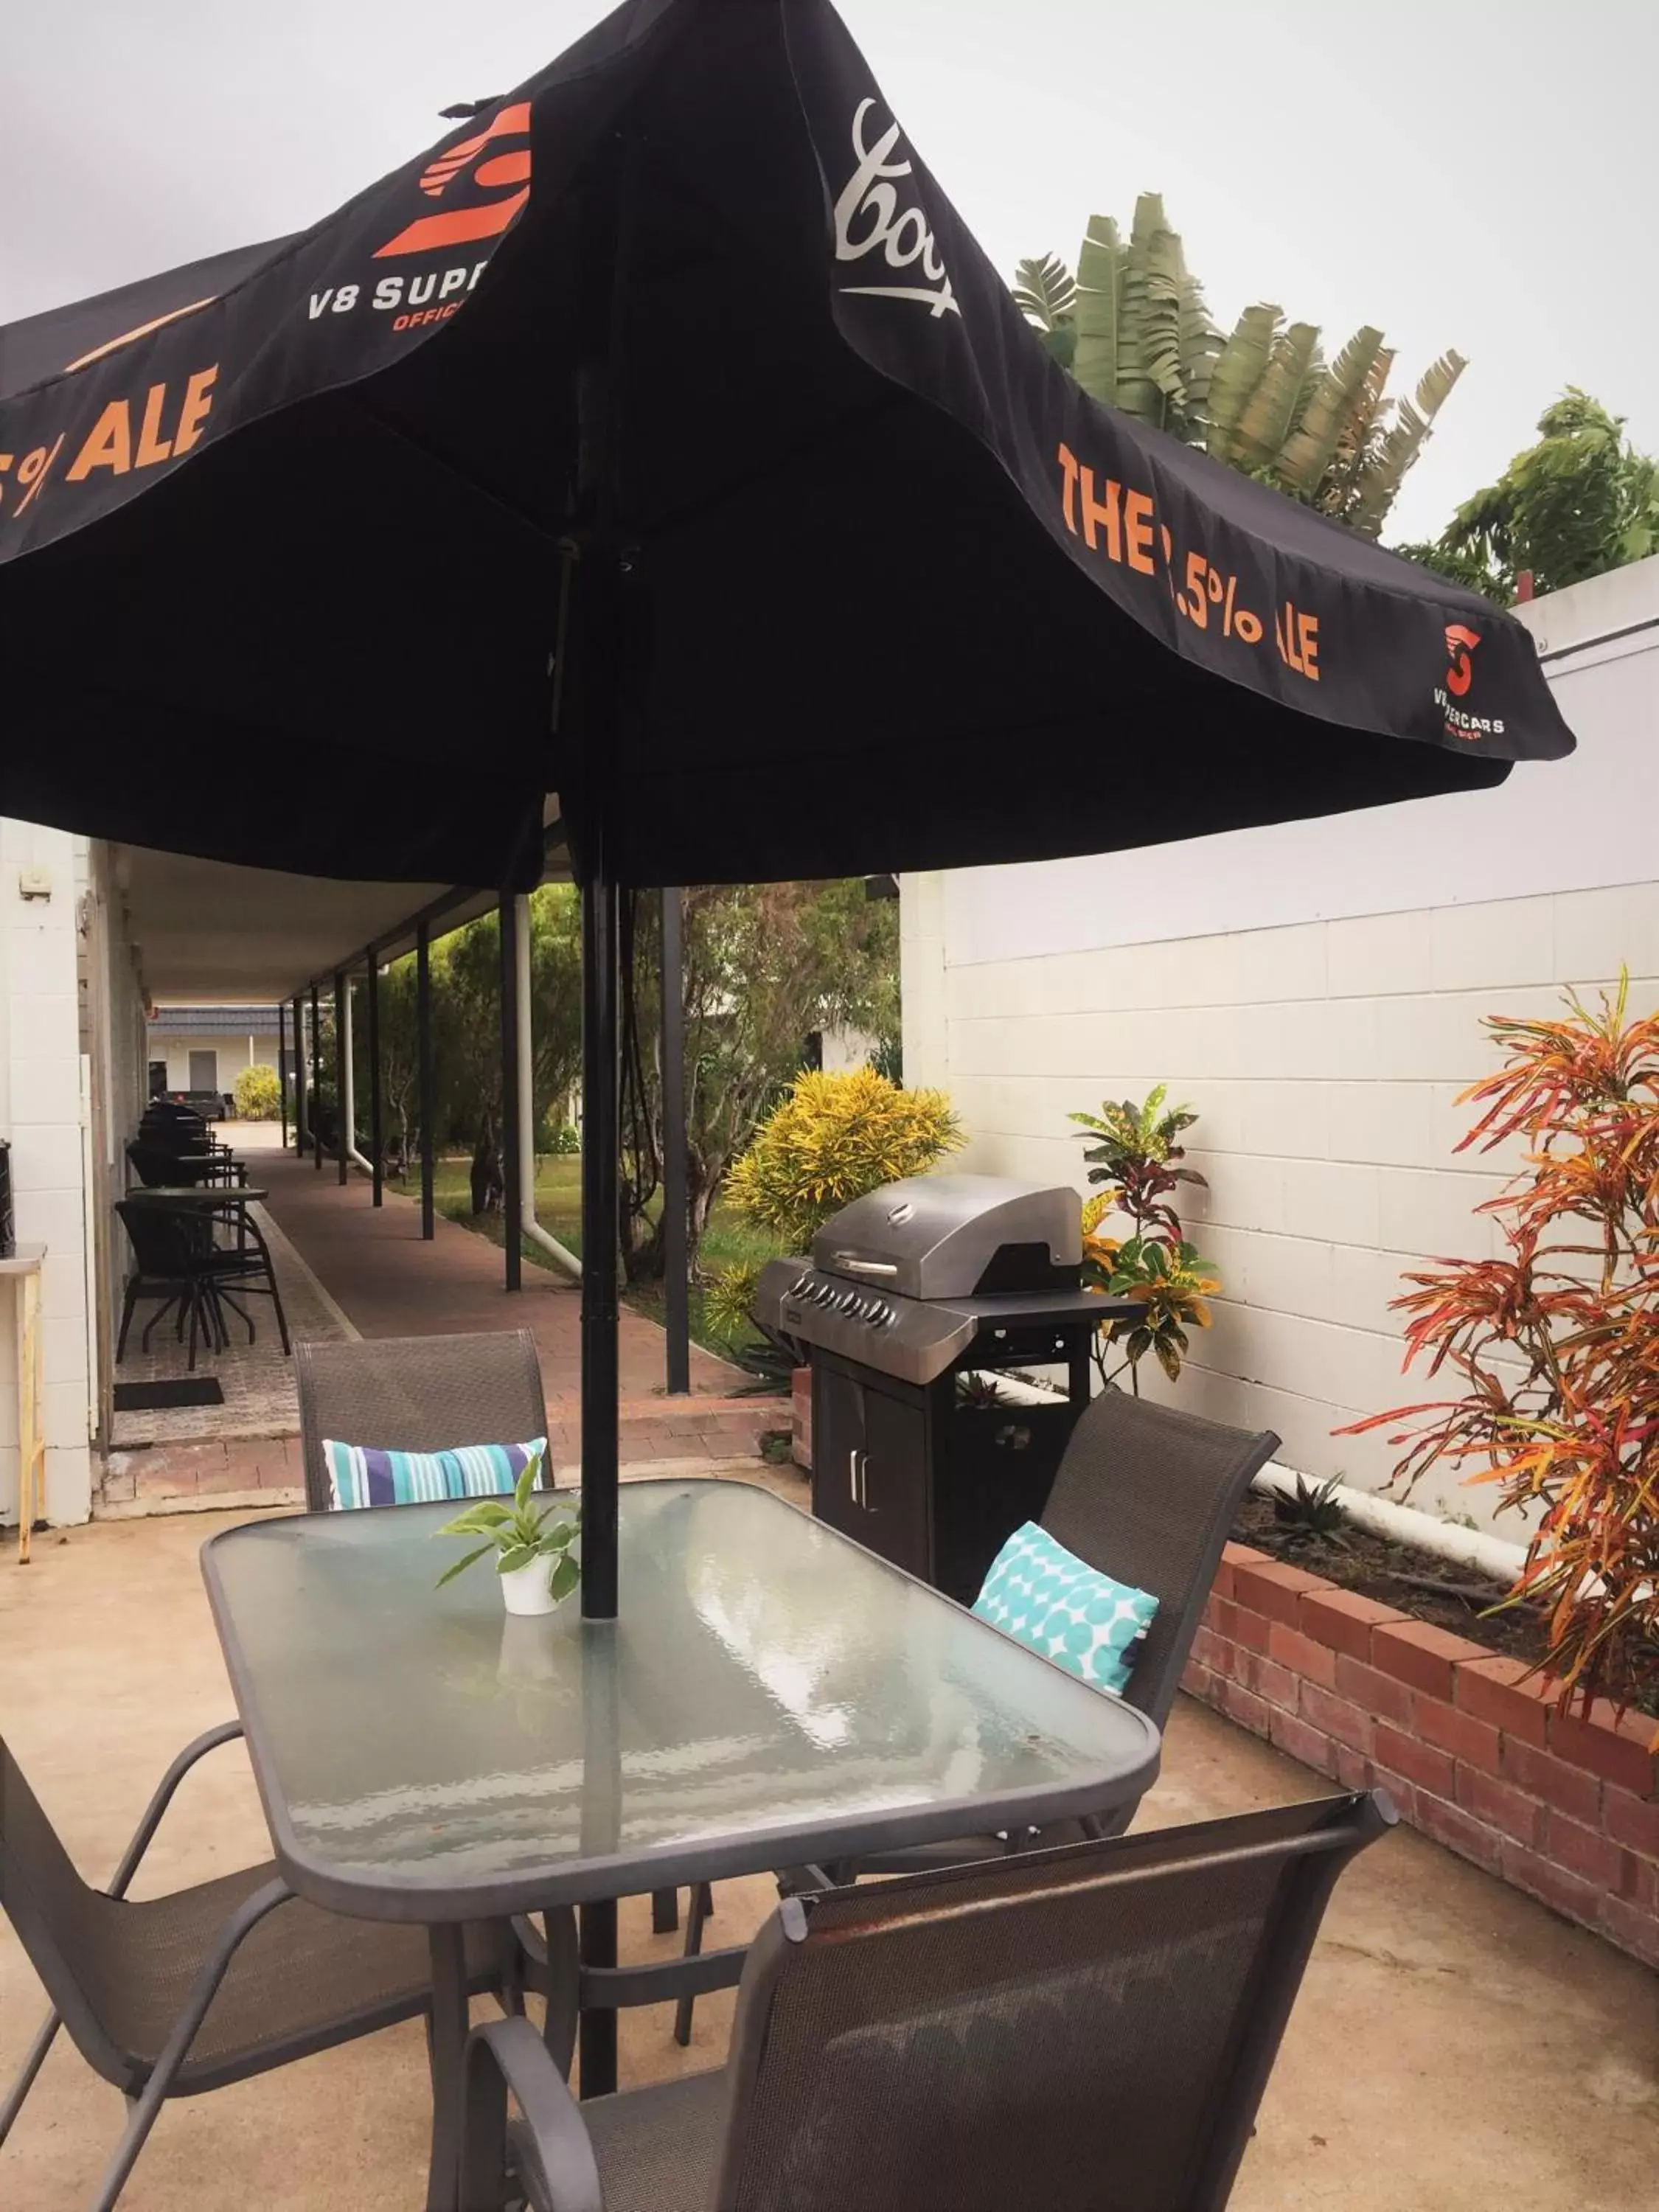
point(1071, 2029)
point(158, 1167)
point(172, 1996)
point(1146, 1494)
point(416, 1394)
point(245, 1270)
point(174, 1252)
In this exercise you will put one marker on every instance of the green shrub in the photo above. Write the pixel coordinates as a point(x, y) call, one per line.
point(259, 1095)
point(556, 1139)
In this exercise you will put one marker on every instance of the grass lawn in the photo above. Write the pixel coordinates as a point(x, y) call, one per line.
point(558, 1208)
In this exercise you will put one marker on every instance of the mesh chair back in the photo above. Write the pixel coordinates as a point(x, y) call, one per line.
point(167, 1242)
point(61, 1921)
point(1147, 1495)
point(416, 1394)
point(1072, 2028)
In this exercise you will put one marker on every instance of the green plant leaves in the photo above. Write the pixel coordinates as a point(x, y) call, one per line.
point(1097, 309)
point(1045, 291)
point(564, 1578)
point(517, 1556)
point(462, 1564)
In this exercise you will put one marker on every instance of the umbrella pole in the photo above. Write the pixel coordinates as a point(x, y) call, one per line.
point(599, 1203)
point(597, 2033)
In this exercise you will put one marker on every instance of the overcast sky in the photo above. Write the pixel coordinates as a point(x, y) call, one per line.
point(1476, 173)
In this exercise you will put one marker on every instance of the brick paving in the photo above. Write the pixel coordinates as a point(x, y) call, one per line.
point(388, 1281)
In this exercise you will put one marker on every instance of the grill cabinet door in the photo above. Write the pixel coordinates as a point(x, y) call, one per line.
point(893, 1488)
point(838, 1445)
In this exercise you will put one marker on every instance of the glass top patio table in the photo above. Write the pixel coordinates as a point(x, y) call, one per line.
point(771, 1694)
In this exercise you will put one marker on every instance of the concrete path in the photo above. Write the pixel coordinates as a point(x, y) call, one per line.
point(388, 1281)
point(1456, 2048)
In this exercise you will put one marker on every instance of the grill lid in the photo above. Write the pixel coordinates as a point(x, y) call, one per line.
point(956, 1236)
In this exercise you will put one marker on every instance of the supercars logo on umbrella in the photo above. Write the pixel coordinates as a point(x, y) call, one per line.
point(1461, 642)
point(481, 160)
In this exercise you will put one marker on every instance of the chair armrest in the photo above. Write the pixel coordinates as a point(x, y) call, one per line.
point(227, 1732)
point(554, 2154)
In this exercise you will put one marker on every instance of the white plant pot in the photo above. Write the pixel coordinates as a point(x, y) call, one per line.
point(526, 1589)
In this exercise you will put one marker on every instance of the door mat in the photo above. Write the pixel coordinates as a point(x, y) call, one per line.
point(162, 1397)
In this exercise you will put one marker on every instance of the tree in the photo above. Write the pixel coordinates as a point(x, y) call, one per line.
point(1132, 328)
point(1578, 502)
point(764, 966)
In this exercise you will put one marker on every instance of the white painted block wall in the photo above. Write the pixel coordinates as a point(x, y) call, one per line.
point(1321, 1007)
point(41, 1112)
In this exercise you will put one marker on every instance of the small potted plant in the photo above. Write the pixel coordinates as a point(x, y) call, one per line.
point(532, 1547)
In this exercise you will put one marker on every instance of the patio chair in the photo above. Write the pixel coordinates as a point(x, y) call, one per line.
point(245, 1270)
point(425, 1393)
point(168, 1996)
point(158, 1165)
point(1072, 2028)
point(172, 1250)
point(1145, 1494)
point(415, 1394)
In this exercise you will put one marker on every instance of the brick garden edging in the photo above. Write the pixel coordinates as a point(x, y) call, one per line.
point(1472, 1754)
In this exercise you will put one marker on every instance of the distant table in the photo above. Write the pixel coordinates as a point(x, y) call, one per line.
point(24, 1262)
point(205, 1195)
point(773, 1694)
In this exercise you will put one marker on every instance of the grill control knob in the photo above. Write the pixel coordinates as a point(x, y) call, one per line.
point(847, 1301)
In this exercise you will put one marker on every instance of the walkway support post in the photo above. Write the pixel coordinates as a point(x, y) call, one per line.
point(316, 1060)
point(300, 1110)
point(341, 1074)
point(564, 1260)
point(376, 1136)
point(512, 1156)
point(676, 1287)
point(423, 1060)
point(281, 1073)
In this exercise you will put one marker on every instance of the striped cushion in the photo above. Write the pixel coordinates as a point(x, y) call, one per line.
point(363, 1474)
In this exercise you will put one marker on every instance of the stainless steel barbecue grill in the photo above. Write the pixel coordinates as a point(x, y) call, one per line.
point(908, 1291)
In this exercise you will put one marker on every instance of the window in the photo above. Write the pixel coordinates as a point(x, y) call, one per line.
point(204, 1071)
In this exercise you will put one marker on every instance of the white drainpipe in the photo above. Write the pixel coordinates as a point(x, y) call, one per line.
point(561, 1258)
point(348, 1105)
point(1472, 1548)
point(1404, 1524)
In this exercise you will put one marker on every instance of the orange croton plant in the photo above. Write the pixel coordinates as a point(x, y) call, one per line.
point(1556, 1345)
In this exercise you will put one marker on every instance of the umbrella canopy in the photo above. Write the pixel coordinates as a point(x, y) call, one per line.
point(890, 591)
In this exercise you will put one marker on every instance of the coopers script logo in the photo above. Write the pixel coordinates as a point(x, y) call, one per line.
point(1461, 642)
point(502, 171)
point(868, 216)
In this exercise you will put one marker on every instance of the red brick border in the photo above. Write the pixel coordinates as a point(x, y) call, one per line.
point(1471, 1748)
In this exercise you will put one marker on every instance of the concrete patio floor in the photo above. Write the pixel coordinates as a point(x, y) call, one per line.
point(1456, 2048)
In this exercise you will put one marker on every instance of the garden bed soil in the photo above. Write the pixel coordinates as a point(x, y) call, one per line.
point(1431, 1589)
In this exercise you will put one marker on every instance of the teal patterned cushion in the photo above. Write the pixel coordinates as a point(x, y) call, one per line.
point(1042, 1595)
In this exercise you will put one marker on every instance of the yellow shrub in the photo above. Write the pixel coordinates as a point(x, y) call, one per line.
point(831, 1139)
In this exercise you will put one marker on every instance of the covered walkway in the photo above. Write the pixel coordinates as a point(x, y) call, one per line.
point(386, 1280)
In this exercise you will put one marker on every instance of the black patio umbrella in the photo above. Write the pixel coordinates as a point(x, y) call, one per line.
point(663, 441)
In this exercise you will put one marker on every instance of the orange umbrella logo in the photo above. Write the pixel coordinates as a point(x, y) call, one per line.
point(1460, 644)
point(487, 218)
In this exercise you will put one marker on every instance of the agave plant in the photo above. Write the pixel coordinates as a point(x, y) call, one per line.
point(1132, 326)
